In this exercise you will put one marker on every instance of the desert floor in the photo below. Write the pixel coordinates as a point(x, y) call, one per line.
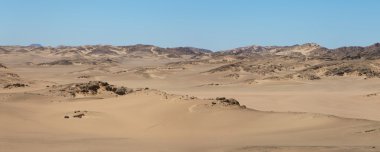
point(333, 114)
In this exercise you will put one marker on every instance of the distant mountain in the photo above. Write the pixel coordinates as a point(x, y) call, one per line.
point(350, 53)
point(304, 51)
point(179, 51)
point(169, 52)
point(102, 50)
point(310, 50)
point(137, 51)
point(35, 45)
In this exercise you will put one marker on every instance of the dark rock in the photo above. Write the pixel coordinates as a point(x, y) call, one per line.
point(308, 76)
point(230, 101)
point(121, 91)
point(111, 88)
point(79, 115)
point(93, 88)
point(84, 77)
point(3, 66)
point(59, 62)
point(15, 85)
point(220, 98)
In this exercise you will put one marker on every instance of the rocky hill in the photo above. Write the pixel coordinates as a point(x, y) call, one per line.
point(139, 51)
point(349, 53)
point(304, 49)
point(310, 50)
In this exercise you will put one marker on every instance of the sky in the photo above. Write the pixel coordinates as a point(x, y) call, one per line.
point(210, 24)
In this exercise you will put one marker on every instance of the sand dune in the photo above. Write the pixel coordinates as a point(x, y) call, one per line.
point(153, 121)
point(286, 100)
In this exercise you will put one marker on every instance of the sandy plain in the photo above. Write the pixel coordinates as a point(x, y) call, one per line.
point(178, 111)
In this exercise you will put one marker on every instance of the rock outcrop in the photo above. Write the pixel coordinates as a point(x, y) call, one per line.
point(90, 88)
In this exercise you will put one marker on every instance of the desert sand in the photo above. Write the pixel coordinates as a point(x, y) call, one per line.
point(174, 103)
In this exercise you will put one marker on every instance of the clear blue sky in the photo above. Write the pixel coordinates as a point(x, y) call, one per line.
point(210, 24)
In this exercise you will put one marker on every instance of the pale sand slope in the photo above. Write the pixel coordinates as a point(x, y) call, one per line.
point(344, 96)
point(148, 121)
